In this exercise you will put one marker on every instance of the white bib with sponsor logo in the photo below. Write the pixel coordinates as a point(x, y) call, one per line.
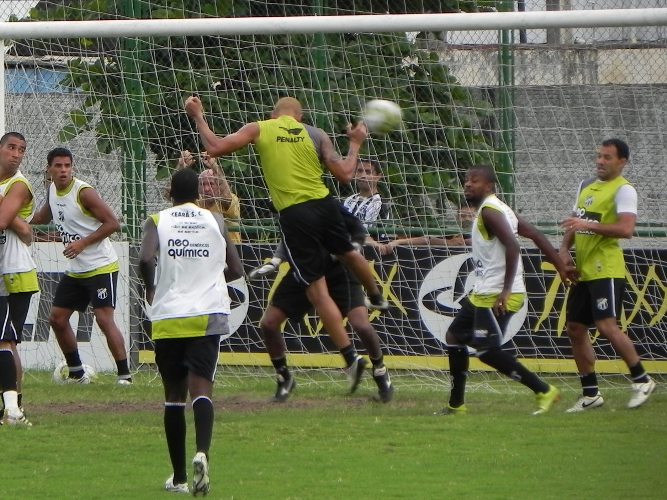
point(190, 278)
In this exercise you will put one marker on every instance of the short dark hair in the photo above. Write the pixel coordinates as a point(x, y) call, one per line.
point(184, 186)
point(59, 152)
point(15, 135)
point(622, 149)
point(487, 171)
point(376, 164)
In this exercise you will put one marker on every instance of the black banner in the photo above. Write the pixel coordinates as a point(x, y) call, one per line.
point(424, 287)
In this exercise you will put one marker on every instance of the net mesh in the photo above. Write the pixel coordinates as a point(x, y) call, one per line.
point(533, 103)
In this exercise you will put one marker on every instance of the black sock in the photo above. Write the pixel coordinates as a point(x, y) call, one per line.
point(349, 353)
point(19, 399)
point(377, 363)
point(174, 429)
point(123, 369)
point(459, 363)
point(280, 364)
point(638, 374)
point(74, 364)
point(507, 364)
point(7, 371)
point(203, 410)
point(589, 384)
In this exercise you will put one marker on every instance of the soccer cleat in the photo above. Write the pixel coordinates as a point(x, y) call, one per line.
point(452, 410)
point(85, 379)
point(385, 387)
point(16, 418)
point(285, 387)
point(355, 372)
point(545, 400)
point(200, 481)
point(176, 488)
point(586, 403)
point(378, 303)
point(124, 381)
point(641, 392)
point(264, 271)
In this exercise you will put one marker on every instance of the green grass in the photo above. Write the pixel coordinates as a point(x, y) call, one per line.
point(106, 442)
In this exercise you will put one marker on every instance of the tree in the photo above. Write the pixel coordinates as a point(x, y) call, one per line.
point(135, 88)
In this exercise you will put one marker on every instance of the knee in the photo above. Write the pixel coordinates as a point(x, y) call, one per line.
point(269, 327)
point(58, 321)
point(577, 333)
point(105, 320)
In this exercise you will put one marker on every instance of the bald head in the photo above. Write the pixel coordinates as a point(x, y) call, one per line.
point(288, 106)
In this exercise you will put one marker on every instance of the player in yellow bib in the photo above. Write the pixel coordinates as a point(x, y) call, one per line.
point(605, 211)
point(19, 274)
point(291, 155)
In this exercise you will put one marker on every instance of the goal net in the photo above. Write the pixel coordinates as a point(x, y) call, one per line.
point(532, 96)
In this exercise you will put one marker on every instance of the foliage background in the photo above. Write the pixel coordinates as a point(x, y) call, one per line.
point(133, 90)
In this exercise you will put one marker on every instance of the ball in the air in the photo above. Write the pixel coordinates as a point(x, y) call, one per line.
point(382, 117)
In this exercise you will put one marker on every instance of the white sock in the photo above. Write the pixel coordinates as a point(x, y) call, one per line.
point(276, 261)
point(11, 399)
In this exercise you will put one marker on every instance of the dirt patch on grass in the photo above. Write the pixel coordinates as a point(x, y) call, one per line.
point(222, 404)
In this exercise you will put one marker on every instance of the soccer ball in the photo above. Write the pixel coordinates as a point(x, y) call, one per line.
point(61, 372)
point(382, 117)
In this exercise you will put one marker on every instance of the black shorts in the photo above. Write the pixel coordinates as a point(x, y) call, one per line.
point(479, 327)
point(19, 303)
point(290, 296)
point(77, 293)
point(312, 231)
point(175, 358)
point(589, 301)
point(7, 331)
point(354, 226)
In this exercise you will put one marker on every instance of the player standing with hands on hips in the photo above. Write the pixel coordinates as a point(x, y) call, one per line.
point(605, 211)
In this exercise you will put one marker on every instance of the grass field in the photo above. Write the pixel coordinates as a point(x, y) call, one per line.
point(105, 442)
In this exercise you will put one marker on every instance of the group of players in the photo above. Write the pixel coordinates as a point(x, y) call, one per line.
point(187, 257)
point(84, 223)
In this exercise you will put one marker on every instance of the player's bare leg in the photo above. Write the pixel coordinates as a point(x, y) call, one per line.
point(105, 320)
point(358, 264)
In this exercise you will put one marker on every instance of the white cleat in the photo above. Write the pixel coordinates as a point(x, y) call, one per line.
point(124, 381)
point(83, 380)
point(200, 480)
point(586, 403)
point(15, 418)
point(641, 392)
point(176, 488)
point(264, 271)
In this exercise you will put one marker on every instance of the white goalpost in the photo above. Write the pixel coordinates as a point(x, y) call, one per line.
point(336, 24)
point(112, 90)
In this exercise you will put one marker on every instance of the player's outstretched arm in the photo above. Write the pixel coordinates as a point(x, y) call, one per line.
point(213, 144)
point(343, 168)
point(527, 230)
